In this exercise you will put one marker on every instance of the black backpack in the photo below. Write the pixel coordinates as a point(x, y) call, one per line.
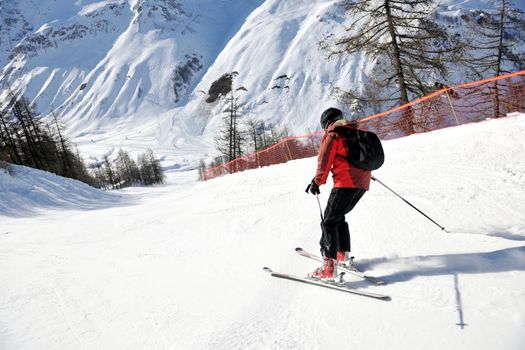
point(364, 148)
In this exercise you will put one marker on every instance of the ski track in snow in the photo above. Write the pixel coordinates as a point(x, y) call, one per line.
point(180, 266)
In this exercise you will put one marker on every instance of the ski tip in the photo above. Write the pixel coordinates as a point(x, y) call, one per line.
point(267, 269)
point(298, 249)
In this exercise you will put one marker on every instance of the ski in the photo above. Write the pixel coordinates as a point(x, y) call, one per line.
point(332, 285)
point(355, 272)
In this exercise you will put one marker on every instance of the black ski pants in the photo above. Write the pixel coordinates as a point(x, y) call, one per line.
point(335, 233)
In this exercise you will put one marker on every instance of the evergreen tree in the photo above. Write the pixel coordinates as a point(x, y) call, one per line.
point(495, 44)
point(8, 146)
point(25, 140)
point(99, 175)
point(261, 135)
point(27, 136)
point(127, 169)
point(202, 169)
point(254, 133)
point(408, 45)
point(146, 172)
point(109, 173)
point(64, 148)
point(79, 168)
point(231, 140)
point(158, 176)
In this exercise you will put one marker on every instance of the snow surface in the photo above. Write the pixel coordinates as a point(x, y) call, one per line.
point(180, 266)
point(29, 189)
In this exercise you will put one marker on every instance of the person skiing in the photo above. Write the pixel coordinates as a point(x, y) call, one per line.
point(350, 184)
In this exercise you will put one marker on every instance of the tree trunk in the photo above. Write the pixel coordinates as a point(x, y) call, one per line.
point(396, 55)
point(499, 59)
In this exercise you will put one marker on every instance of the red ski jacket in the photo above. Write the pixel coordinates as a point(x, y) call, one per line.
point(332, 157)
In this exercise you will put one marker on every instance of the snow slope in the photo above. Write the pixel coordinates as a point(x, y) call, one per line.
point(180, 266)
point(27, 190)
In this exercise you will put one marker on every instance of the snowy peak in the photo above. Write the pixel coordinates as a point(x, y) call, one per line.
point(160, 14)
point(113, 59)
point(47, 31)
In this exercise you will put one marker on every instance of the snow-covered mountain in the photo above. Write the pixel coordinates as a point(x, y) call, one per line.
point(137, 73)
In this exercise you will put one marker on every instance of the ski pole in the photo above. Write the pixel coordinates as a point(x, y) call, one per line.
point(425, 215)
point(320, 209)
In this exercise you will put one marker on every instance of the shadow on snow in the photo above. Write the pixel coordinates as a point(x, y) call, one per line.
point(504, 260)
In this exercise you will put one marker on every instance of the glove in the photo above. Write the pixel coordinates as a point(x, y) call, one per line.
point(313, 188)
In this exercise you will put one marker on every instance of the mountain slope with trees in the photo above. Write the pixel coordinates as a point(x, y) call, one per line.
point(138, 74)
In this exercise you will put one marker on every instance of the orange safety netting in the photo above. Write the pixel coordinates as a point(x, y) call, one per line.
point(450, 106)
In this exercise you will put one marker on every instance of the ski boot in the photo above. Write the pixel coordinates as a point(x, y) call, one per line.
point(345, 260)
point(327, 272)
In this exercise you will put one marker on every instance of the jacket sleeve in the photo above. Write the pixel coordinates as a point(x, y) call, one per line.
point(326, 157)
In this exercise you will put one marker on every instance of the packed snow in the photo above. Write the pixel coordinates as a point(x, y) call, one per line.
point(179, 266)
point(27, 190)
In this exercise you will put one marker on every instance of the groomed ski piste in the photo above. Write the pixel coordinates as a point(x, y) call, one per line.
point(179, 266)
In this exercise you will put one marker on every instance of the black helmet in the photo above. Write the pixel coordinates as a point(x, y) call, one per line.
point(329, 116)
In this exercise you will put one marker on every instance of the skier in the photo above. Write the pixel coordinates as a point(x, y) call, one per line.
point(350, 184)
